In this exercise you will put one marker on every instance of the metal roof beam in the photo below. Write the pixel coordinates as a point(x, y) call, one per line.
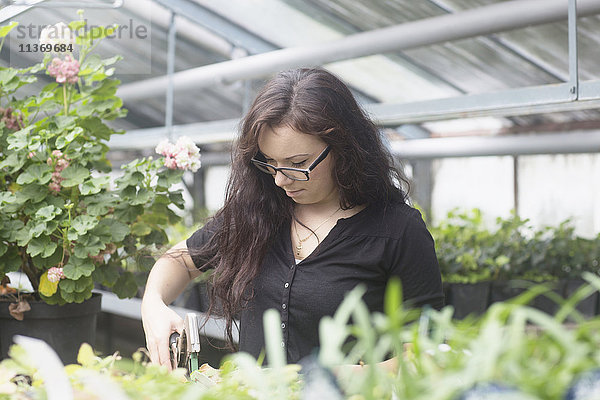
point(218, 24)
point(513, 48)
point(512, 102)
point(11, 11)
point(475, 22)
point(514, 145)
point(573, 142)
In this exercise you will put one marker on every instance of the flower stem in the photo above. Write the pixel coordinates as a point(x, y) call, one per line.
point(65, 99)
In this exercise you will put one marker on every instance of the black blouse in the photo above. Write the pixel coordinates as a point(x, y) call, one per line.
point(368, 247)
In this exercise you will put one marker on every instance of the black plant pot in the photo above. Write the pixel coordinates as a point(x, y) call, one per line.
point(505, 290)
point(469, 298)
point(64, 327)
point(447, 288)
point(545, 303)
point(588, 306)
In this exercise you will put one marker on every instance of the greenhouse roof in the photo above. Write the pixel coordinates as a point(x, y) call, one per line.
point(530, 53)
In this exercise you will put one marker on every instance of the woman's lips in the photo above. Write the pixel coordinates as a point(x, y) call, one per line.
point(293, 193)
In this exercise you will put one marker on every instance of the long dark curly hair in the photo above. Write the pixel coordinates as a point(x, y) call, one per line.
point(311, 101)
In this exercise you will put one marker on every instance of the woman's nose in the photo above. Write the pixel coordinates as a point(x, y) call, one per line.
point(282, 180)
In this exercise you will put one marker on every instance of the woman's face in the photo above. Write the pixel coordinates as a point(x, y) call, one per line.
point(284, 147)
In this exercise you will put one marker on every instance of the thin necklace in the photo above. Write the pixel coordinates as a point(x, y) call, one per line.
point(300, 241)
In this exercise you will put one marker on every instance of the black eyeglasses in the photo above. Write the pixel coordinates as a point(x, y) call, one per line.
point(296, 174)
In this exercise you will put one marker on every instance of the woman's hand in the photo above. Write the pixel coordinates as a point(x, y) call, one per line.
point(159, 323)
point(167, 280)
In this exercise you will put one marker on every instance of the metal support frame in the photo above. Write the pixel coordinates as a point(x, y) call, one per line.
point(422, 185)
point(171, 45)
point(218, 24)
point(65, 4)
point(510, 102)
point(474, 22)
point(411, 149)
point(511, 47)
point(539, 143)
point(573, 59)
point(12, 11)
point(515, 160)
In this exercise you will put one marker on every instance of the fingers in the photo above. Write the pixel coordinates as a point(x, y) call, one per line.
point(158, 332)
point(153, 350)
point(164, 357)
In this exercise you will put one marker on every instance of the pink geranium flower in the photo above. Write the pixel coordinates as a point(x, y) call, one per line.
point(55, 274)
point(66, 70)
point(184, 154)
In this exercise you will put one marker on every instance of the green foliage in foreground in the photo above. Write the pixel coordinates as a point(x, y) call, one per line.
point(512, 344)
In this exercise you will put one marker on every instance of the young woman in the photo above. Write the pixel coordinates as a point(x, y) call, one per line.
point(313, 208)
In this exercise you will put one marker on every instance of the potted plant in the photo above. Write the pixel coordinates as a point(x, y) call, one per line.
point(65, 220)
point(482, 266)
point(462, 247)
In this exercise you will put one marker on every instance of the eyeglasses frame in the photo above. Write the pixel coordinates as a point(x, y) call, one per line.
point(305, 171)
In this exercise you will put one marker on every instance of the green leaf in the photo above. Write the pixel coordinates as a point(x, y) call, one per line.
point(77, 267)
point(141, 229)
point(7, 198)
point(127, 213)
point(90, 64)
point(5, 29)
point(88, 246)
point(10, 260)
point(99, 106)
point(74, 175)
point(41, 245)
point(19, 139)
point(100, 204)
point(38, 229)
point(177, 199)
point(107, 88)
point(7, 75)
point(40, 173)
point(51, 227)
point(3, 248)
point(145, 262)
point(78, 285)
point(14, 162)
point(22, 235)
point(168, 177)
point(157, 236)
point(96, 128)
point(94, 185)
point(135, 178)
point(118, 230)
point(125, 286)
point(76, 297)
point(50, 261)
point(63, 122)
point(156, 215)
point(76, 25)
point(64, 140)
point(143, 196)
point(47, 213)
point(33, 193)
point(83, 223)
point(106, 274)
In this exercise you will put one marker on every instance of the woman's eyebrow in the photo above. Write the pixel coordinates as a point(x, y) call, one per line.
point(287, 158)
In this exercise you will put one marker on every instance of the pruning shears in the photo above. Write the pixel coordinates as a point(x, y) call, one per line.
point(185, 348)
